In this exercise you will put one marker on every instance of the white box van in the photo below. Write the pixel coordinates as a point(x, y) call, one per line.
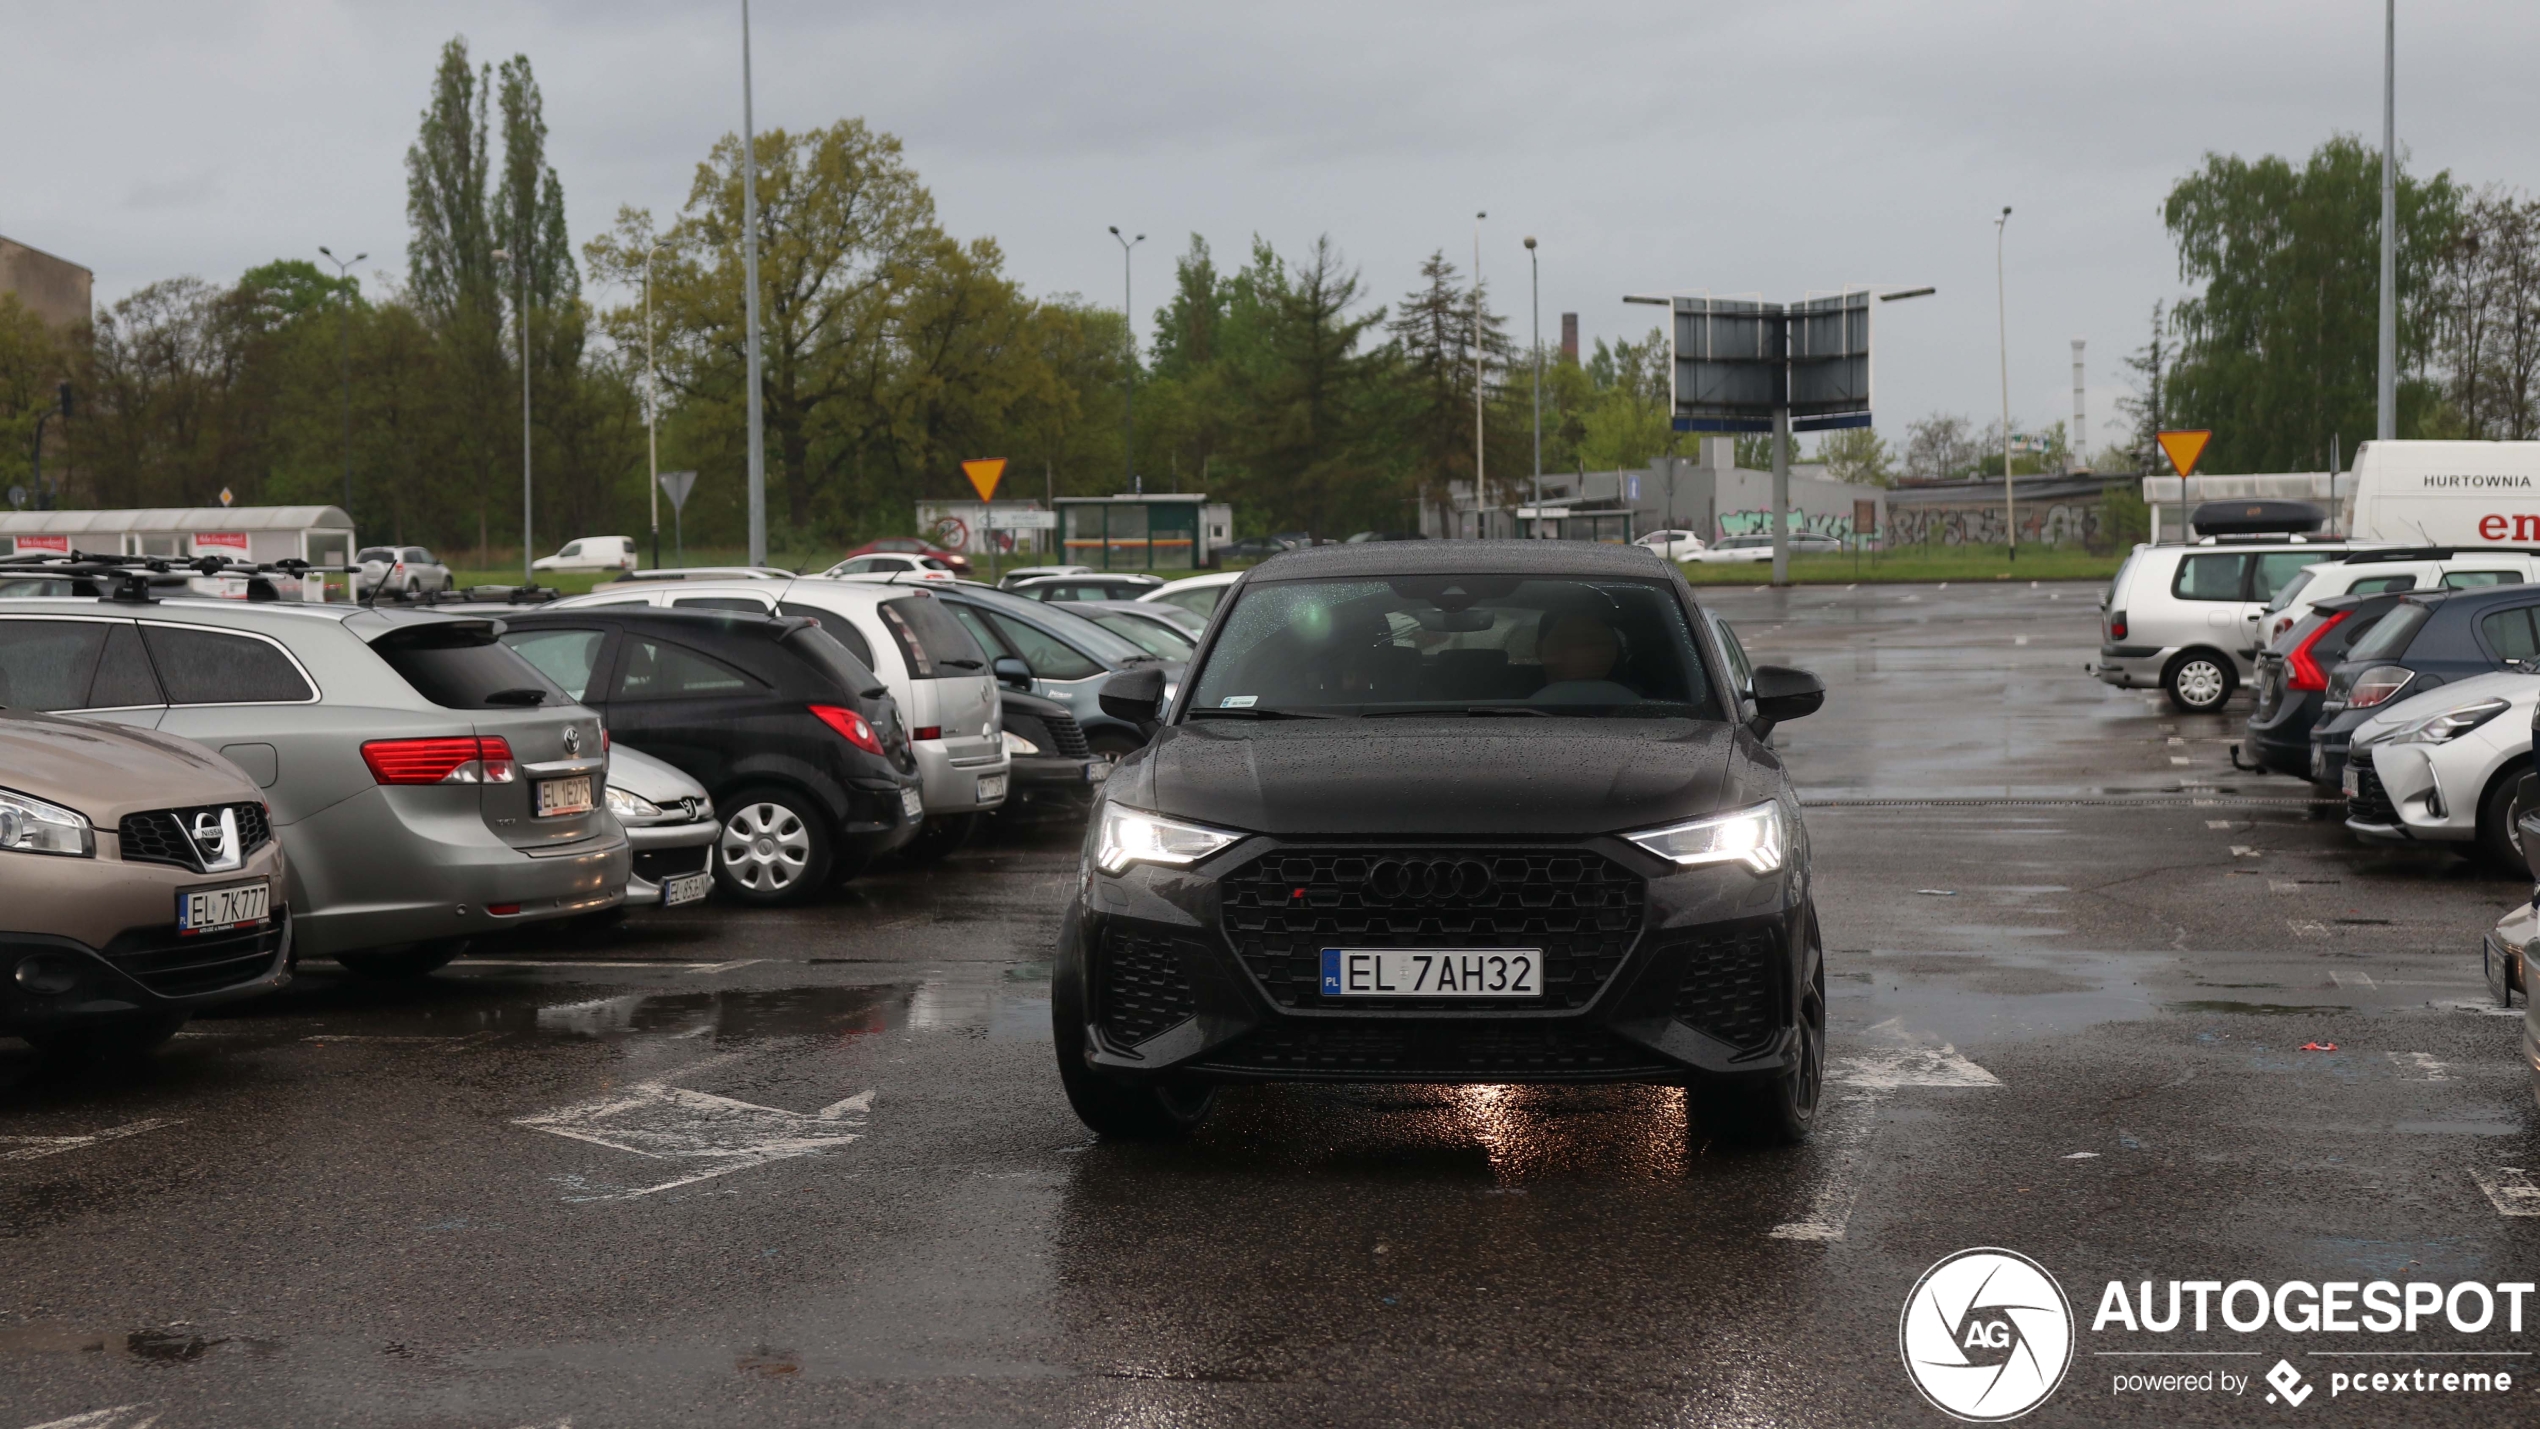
point(2447, 493)
point(2182, 619)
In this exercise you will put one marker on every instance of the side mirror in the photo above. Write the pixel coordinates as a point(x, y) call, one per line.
point(1010, 671)
point(1136, 696)
point(1782, 693)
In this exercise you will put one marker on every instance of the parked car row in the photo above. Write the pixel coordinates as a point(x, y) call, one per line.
point(258, 781)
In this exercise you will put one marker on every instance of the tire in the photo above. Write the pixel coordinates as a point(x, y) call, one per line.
point(2199, 682)
point(1769, 1111)
point(2499, 814)
point(939, 837)
point(415, 960)
point(775, 846)
point(1114, 1110)
point(120, 1041)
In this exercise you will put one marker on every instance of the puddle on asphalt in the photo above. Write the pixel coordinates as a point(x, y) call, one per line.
point(1971, 997)
point(176, 1344)
point(2258, 1009)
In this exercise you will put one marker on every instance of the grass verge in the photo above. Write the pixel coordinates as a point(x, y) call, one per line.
point(1936, 563)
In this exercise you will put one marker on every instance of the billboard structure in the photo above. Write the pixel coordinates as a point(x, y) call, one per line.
point(1740, 361)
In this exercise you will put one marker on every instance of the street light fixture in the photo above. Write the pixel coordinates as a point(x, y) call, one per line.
point(1534, 279)
point(1129, 369)
point(749, 303)
point(652, 408)
point(528, 552)
point(2002, 332)
point(343, 267)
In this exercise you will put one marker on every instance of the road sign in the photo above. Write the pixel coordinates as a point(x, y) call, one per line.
point(2184, 448)
point(676, 485)
point(224, 496)
point(984, 476)
point(1022, 520)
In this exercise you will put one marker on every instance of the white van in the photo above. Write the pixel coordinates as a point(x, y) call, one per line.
point(2447, 493)
point(2182, 619)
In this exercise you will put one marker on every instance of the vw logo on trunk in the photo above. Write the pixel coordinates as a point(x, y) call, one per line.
point(1429, 880)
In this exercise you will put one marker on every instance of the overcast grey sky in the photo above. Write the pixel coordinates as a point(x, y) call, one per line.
point(1686, 145)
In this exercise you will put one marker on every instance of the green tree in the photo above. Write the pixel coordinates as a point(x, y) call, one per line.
point(1859, 455)
point(1432, 330)
point(2278, 349)
point(1311, 399)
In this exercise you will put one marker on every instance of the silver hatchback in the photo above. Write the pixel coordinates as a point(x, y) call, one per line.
point(428, 784)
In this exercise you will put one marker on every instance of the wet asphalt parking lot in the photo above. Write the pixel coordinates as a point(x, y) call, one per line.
point(814, 1166)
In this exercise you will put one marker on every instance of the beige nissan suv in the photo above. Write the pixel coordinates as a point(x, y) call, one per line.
point(139, 880)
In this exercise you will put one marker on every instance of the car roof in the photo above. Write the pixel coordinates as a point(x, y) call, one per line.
point(733, 621)
point(1412, 558)
point(2471, 596)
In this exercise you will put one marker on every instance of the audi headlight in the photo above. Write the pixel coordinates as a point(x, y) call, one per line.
point(629, 805)
point(1017, 744)
point(1135, 836)
point(32, 826)
point(2451, 724)
point(1752, 836)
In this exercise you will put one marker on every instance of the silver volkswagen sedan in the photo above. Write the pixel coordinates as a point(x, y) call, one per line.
point(428, 784)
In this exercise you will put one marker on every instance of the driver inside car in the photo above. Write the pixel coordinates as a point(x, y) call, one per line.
point(1579, 652)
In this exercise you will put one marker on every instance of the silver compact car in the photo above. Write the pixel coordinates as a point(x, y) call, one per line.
point(670, 825)
point(428, 785)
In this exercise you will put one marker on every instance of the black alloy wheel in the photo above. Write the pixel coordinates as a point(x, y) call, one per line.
point(1153, 1110)
point(1779, 1110)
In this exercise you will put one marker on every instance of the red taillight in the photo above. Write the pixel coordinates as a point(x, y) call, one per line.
point(2302, 671)
point(929, 731)
point(2376, 685)
point(502, 910)
point(2116, 625)
point(854, 727)
point(440, 761)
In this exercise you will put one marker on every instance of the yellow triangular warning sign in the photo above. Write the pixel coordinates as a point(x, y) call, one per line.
point(2184, 448)
point(984, 476)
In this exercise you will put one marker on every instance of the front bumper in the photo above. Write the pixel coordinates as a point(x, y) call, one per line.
point(1651, 973)
point(665, 851)
point(2502, 953)
point(141, 972)
point(2400, 797)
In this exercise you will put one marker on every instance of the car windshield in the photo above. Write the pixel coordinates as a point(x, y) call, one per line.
point(2392, 635)
point(1067, 625)
point(1456, 643)
point(1155, 639)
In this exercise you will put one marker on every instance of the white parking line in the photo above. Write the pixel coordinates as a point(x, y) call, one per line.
point(2483, 1009)
point(1871, 1077)
point(2420, 1067)
point(2509, 1190)
point(665, 1122)
point(100, 1419)
point(2362, 980)
point(33, 1147)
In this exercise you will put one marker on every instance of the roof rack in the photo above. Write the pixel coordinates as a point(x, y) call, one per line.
point(137, 579)
point(478, 595)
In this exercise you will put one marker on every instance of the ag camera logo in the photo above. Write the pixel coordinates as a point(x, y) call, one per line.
point(1986, 1335)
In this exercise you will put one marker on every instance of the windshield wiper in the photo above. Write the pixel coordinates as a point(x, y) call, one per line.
point(1527, 710)
point(1254, 712)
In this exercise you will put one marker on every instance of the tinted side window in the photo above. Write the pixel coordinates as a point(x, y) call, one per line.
point(2471, 580)
point(465, 668)
point(839, 627)
point(933, 642)
point(123, 674)
point(2209, 577)
point(1199, 602)
point(2392, 635)
point(49, 664)
point(1048, 657)
point(1740, 667)
point(212, 667)
point(658, 670)
point(564, 656)
point(833, 659)
point(2277, 568)
point(2382, 585)
point(2509, 633)
point(977, 624)
point(740, 603)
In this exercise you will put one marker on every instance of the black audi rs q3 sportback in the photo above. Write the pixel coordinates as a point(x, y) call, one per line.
point(1452, 811)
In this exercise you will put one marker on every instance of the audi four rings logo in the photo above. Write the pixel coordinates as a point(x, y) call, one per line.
point(1987, 1335)
point(1429, 879)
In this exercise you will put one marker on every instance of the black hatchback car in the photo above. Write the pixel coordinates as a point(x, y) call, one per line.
point(1464, 811)
point(2292, 678)
point(2427, 640)
point(801, 746)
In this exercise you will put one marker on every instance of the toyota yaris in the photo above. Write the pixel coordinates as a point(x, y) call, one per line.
point(1461, 812)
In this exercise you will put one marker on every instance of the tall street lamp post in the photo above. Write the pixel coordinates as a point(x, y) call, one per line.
point(2002, 332)
point(1129, 369)
point(1534, 281)
point(344, 266)
point(749, 303)
point(2386, 423)
point(652, 408)
point(520, 275)
point(1479, 488)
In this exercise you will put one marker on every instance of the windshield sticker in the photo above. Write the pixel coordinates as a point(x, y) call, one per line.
point(1237, 702)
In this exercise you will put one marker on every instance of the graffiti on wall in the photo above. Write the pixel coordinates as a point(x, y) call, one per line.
point(2057, 523)
point(1760, 523)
